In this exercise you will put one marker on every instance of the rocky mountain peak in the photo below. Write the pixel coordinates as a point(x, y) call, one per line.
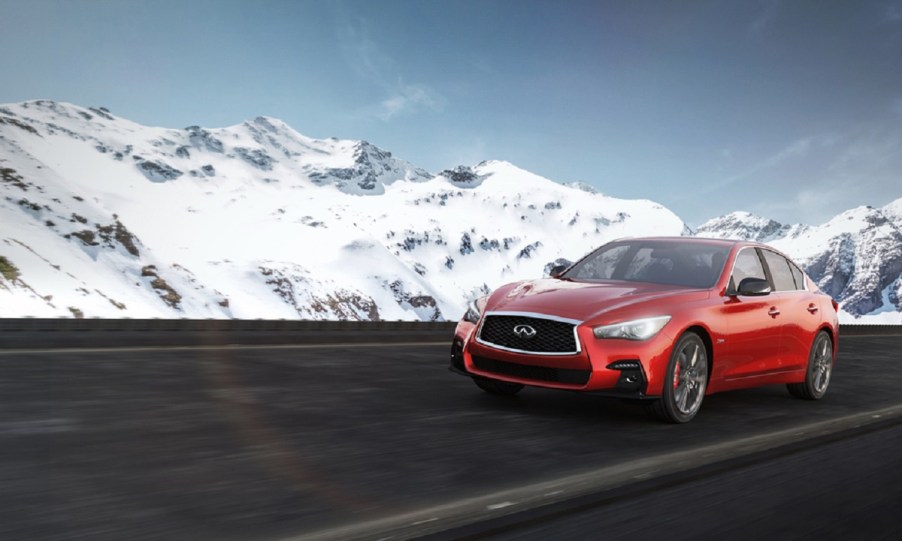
point(741, 225)
point(855, 257)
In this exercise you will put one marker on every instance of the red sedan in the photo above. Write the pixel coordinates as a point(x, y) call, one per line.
point(662, 320)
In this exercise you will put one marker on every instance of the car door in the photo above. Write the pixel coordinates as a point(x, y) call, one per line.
point(786, 304)
point(800, 315)
point(752, 345)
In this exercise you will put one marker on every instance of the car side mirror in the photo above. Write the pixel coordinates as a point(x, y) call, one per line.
point(557, 270)
point(754, 287)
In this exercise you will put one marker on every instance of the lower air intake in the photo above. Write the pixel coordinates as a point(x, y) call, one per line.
point(537, 373)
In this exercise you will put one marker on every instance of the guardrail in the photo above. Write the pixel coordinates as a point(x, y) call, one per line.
point(217, 325)
point(82, 333)
point(859, 330)
point(34, 333)
point(281, 325)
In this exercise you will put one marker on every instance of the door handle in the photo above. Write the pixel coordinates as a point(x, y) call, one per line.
point(812, 308)
point(773, 312)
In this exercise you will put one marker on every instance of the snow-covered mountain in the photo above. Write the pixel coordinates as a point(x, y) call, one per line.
point(103, 217)
point(856, 257)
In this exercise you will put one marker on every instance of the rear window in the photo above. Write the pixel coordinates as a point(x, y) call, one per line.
point(779, 271)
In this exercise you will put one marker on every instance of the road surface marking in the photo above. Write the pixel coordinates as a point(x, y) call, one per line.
point(468, 511)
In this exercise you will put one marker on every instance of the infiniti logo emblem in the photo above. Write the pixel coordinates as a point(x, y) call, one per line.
point(524, 331)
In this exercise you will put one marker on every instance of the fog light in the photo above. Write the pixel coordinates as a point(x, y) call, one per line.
point(625, 365)
point(631, 378)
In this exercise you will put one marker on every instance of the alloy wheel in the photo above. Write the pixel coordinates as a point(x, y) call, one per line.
point(822, 365)
point(690, 378)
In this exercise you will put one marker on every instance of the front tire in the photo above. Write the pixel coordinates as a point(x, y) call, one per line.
point(496, 387)
point(685, 381)
point(820, 368)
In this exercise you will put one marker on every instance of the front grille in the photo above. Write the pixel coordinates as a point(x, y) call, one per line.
point(537, 373)
point(551, 337)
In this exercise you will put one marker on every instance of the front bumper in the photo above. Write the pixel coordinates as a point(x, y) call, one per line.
point(615, 367)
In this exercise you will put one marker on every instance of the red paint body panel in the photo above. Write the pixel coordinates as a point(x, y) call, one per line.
point(752, 340)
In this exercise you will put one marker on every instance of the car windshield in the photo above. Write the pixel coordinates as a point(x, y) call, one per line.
point(686, 264)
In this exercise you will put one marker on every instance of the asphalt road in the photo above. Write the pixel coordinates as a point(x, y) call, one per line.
point(272, 442)
point(849, 489)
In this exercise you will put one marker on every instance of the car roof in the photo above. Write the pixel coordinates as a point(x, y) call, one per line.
point(694, 240)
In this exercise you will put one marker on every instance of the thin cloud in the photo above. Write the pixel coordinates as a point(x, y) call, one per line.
point(869, 154)
point(807, 206)
point(796, 149)
point(470, 150)
point(364, 56)
point(893, 13)
point(410, 98)
point(858, 168)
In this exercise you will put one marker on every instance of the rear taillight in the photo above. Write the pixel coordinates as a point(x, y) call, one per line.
point(835, 305)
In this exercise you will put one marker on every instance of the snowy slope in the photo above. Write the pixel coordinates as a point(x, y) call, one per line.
point(103, 217)
point(856, 257)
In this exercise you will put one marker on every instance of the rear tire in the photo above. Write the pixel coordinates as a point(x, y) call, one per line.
point(684, 382)
point(820, 369)
point(501, 388)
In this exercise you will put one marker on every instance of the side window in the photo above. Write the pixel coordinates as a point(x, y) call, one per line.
point(747, 266)
point(779, 270)
point(797, 276)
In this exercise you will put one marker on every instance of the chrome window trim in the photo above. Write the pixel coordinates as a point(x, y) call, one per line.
point(575, 322)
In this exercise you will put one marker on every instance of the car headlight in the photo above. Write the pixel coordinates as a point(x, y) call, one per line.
point(637, 329)
point(473, 312)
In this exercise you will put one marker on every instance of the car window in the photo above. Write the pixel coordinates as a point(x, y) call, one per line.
point(779, 271)
point(797, 276)
point(602, 266)
point(647, 266)
point(747, 266)
point(671, 262)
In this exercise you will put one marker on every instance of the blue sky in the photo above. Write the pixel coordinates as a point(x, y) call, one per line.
point(792, 110)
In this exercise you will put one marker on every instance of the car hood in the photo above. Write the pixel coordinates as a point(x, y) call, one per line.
point(583, 301)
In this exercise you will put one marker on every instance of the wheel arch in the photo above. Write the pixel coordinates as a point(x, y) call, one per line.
point(829, 329)
point(705, 335)
point(830, 334)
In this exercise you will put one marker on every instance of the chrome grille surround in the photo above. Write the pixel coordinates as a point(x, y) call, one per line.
point(535, 316)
